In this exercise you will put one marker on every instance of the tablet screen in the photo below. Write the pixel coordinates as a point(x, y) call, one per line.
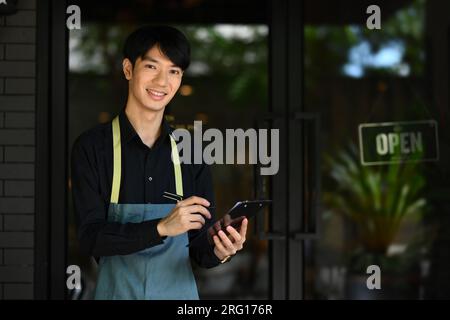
point(234, 217)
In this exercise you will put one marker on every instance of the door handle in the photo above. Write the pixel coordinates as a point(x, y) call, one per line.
point(261, 186)
point(312, 192)
point(311, 226)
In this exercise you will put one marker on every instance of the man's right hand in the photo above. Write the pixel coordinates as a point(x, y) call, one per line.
point(188, 214)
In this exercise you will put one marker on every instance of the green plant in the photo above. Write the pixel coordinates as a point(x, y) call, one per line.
point(375, 198)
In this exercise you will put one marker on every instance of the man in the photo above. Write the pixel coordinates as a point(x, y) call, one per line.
point(122, 169)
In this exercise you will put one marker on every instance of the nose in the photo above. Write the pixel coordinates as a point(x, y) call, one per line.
point(161, 79)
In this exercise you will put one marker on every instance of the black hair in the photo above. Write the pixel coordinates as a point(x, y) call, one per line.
point(172, 43)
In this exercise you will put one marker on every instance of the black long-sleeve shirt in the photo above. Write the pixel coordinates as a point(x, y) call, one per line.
point(146, 174)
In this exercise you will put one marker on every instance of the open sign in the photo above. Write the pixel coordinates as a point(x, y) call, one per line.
point(394, 142)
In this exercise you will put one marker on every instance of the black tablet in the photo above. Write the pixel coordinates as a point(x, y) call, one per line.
point(242, 209)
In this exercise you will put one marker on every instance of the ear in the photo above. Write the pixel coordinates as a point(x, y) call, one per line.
point(127, 68)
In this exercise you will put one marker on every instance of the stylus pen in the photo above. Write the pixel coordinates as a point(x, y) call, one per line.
point(177, 197)
point(211, 207)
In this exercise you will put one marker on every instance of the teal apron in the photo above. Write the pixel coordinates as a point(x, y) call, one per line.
point(159, 272)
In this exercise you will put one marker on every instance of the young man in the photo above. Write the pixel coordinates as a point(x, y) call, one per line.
point(120, 172)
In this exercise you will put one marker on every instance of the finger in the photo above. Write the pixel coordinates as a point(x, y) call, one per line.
point(194, 200)
point(243, 230)
point(197, 218)
point(227, 242)
point(217, 226)
point(198, 209)
point(227, 219)
point(220, 246)
point(233, 232)
point(195, 225)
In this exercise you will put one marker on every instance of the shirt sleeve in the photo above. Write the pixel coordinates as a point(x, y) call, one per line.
point(96, 235)
point(200, 250)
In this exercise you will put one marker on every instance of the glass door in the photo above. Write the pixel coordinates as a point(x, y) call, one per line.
point(225, 87)
point(384, 162)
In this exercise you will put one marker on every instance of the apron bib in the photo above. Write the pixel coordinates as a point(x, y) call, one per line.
point(161, 272)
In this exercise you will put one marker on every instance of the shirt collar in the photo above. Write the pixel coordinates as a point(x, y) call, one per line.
point(128, 133)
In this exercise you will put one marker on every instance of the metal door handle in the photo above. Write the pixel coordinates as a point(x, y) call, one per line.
point(311, 225)
point(260, 187)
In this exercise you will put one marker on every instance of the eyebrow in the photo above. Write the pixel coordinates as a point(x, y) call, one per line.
point(151, 59)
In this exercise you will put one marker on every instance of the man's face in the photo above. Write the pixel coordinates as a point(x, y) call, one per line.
point(154, 80)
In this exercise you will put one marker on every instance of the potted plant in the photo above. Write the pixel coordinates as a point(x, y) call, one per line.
point(376, 200)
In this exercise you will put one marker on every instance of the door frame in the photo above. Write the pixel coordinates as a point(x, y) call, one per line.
point(286, 101)
point(285, 96)
point(51, 151)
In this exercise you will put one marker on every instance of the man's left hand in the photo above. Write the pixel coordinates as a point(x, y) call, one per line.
point(228, 245)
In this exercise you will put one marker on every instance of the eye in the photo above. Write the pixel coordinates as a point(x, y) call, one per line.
point(150, 66)
point(175, 71)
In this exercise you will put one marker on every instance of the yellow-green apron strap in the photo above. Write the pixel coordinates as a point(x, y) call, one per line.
point(176, 167)
point(117, 161)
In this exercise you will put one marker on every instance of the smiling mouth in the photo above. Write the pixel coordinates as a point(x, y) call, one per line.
point(156, 93)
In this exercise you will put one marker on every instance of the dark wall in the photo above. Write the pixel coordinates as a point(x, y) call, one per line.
point(17, 151)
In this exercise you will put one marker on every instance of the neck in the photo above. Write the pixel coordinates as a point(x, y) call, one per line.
point(146, 123)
